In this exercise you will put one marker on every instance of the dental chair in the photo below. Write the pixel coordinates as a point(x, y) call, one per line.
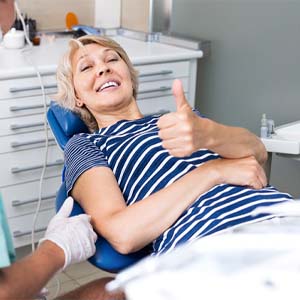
point(64, 124)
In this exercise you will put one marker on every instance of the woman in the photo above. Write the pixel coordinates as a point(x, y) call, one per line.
point(186, 190)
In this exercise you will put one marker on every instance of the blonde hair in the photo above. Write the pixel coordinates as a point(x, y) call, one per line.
point(66, 95)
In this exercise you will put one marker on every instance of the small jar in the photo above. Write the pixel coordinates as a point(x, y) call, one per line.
point(14, 39)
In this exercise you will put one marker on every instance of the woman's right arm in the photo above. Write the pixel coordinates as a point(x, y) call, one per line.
point(130, 228)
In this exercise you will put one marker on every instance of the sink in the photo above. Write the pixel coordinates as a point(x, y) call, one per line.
point(286, 139)
point(289, 131)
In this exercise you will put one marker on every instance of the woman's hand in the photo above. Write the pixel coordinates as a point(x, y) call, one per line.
point(183, 132)
point(177, 130)
point(243, 171)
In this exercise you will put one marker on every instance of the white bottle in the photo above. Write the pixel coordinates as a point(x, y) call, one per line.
point(264, 127)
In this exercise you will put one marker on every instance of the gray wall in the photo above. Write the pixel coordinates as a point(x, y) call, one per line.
point(254, 66)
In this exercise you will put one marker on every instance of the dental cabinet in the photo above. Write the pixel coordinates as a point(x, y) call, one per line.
point(22, 129)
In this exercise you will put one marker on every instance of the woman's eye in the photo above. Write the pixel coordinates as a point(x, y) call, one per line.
point(112, 59)
point(84, 68)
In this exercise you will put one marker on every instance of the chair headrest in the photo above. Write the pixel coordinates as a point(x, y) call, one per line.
point(64, 123)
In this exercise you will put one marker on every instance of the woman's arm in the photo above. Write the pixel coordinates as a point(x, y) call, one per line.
point(183, 132)
point(228, 141)
point(131, 228)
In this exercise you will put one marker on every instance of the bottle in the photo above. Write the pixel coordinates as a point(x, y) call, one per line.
point(264, 127)
point(271, 126)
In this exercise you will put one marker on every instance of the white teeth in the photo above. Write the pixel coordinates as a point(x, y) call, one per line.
point(108, 84)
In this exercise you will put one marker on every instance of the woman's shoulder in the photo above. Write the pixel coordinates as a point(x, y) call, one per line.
point(77, 138)
point(80, 140)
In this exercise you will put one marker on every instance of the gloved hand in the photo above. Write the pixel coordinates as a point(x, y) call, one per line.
point(74, 235)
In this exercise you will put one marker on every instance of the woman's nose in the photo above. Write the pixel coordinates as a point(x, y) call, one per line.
point(102, 70)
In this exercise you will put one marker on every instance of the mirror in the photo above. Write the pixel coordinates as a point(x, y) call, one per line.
point(7, 15)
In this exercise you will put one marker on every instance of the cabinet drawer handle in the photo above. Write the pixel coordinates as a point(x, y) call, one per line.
point(160, 89)
point(16, 203)
point(28, 125)
point(31, 88)
point(163, 72)
point(32, 142)
point(19, 233)
point(25, 107)
point(30, 168)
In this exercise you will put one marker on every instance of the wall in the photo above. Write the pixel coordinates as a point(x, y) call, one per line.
point(107, 13)
point(50, 15)
point(135, 14)
point(254, 66)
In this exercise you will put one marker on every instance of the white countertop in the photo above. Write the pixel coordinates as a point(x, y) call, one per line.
point(18, 62)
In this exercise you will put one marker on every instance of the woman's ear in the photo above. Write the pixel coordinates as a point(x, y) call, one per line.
point(79, 103)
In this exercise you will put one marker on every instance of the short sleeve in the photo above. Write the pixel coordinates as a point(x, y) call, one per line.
point(81, 154)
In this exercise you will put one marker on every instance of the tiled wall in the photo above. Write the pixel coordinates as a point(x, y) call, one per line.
point(50, 15)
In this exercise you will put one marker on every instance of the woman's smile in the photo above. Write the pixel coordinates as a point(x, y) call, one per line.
point(109, 85)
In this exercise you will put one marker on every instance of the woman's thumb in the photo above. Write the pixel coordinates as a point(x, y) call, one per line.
point(178, 92)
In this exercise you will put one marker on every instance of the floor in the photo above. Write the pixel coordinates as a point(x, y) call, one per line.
point(73, 277)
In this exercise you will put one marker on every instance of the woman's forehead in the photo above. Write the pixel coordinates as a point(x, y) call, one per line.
point(90, 50)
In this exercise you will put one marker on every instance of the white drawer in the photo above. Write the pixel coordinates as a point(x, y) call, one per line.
point(22, 106)
point(154, 89)
point(23, 166)
point(22, 199)
point(157, 105)
point(163, 71)
point(21, 227)
point(24, 141)
point(21, 124)
point(29, 86)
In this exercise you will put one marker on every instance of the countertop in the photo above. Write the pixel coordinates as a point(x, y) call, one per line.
point(19, 62)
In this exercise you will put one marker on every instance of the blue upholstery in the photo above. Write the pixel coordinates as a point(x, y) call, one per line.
point(64, 124)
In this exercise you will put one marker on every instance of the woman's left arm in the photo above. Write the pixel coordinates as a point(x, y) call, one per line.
point(183, 132)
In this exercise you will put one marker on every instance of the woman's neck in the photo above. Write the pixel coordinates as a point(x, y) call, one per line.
point(129, 113)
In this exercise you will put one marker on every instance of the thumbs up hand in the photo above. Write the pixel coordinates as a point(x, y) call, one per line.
point(178, 130)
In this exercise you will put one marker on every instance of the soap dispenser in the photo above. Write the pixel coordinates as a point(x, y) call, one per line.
point(264, 127)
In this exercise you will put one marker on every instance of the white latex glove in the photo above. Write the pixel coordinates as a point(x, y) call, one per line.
point(74, 235)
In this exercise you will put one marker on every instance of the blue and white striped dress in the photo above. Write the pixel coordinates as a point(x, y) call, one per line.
point(134, 152)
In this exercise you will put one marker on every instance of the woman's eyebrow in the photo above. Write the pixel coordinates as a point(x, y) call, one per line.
point(104, 51)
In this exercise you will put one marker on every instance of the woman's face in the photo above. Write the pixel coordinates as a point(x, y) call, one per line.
point(102, 80)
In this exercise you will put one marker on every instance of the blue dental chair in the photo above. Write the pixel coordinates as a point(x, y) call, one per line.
point(64, 124)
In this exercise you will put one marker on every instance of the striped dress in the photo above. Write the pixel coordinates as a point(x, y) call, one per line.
point(134, 152)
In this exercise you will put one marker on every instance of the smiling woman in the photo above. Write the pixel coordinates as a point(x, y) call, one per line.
point(154, 180)
point(7, 14)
